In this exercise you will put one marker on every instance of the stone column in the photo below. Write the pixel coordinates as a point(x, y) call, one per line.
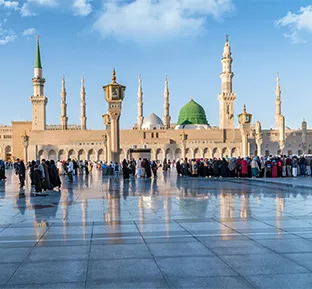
point(259, 138)
point(25, 143)
point(114, 137)
point(259, 143)
point(183, 142)
point(244, 146)
point(244, 122)
point(282, 133)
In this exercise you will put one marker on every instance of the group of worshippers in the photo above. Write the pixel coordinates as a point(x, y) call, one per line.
point(142, 168)
point(256, 167)
point(44, 176)
point(2, 170)
point(79, 167)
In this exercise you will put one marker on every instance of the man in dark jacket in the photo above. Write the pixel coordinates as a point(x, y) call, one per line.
point(21, 172)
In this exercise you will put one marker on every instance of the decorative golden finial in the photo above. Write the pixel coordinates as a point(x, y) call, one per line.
point(183, 135)
point(114, 76)
point(245, 110)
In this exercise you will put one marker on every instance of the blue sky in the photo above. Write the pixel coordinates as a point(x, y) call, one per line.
point(183, 39)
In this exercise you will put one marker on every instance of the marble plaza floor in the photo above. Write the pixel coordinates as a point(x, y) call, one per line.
point(165, 233)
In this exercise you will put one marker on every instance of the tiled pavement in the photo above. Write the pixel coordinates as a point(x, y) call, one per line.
point(165, 233)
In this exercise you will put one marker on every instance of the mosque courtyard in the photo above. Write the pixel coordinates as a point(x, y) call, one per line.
point(156, 233)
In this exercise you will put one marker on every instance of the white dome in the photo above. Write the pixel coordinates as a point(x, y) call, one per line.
point(152, 122)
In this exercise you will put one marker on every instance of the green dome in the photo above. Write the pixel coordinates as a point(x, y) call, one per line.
point(192, 113)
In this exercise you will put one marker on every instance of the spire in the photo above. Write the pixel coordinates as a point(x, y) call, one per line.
point(63, 118)
point(167, 117)
point(82, 89)
point(83, 117)
point(227, 48)
point(245, 109)
point(140, 82)
point(38, 57)
point(278, 102)
point(278, 87)
point(114, 76)
point(140, 104)
point(63, 84)
point(278, 79)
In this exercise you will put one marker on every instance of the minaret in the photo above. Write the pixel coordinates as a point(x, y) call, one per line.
point(282, 135)
point(304, 128)
point(63, 118)
point(278, 102)
point(167, 117)
point(38, 100)
point(83, 118)
point(227, 96)
point(140, 104)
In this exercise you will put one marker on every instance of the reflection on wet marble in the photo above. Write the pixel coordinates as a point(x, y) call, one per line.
point(160, 233)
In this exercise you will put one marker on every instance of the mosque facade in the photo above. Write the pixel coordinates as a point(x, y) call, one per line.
point(191, 136)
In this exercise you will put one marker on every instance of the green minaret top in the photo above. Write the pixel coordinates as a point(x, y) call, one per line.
point(38, 58)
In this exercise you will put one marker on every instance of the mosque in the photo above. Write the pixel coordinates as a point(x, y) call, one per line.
point(152, 137)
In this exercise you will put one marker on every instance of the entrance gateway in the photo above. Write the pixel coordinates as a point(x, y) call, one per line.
point(140, 153)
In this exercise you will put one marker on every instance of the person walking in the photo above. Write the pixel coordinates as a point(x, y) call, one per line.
point(116, 169)
point(154, 169)
point(37, 179)
point(54, 176)
point(294, 167)
point(254, 168)
point(139, 168)
point(2, 170)
point(302, 166)
point(308, 166)
point(70, 170)
point(244, 165)
point(289, 167)
point(21, 173)
point(125, 170)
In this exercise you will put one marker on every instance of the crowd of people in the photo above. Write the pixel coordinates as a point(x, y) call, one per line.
point(256, 167)
point(45, 174)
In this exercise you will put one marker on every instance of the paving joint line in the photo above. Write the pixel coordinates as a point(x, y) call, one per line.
point(153, 257)
point(26, 257)
point(279, 254)
point(89, 255)
point(198, 240)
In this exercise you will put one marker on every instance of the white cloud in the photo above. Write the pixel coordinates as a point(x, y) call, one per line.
point(82, 7)
point(6, 39)
point(298, 24)
point(142, 19)
point(29, 32)
point(27, 8)
point(9, 4)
